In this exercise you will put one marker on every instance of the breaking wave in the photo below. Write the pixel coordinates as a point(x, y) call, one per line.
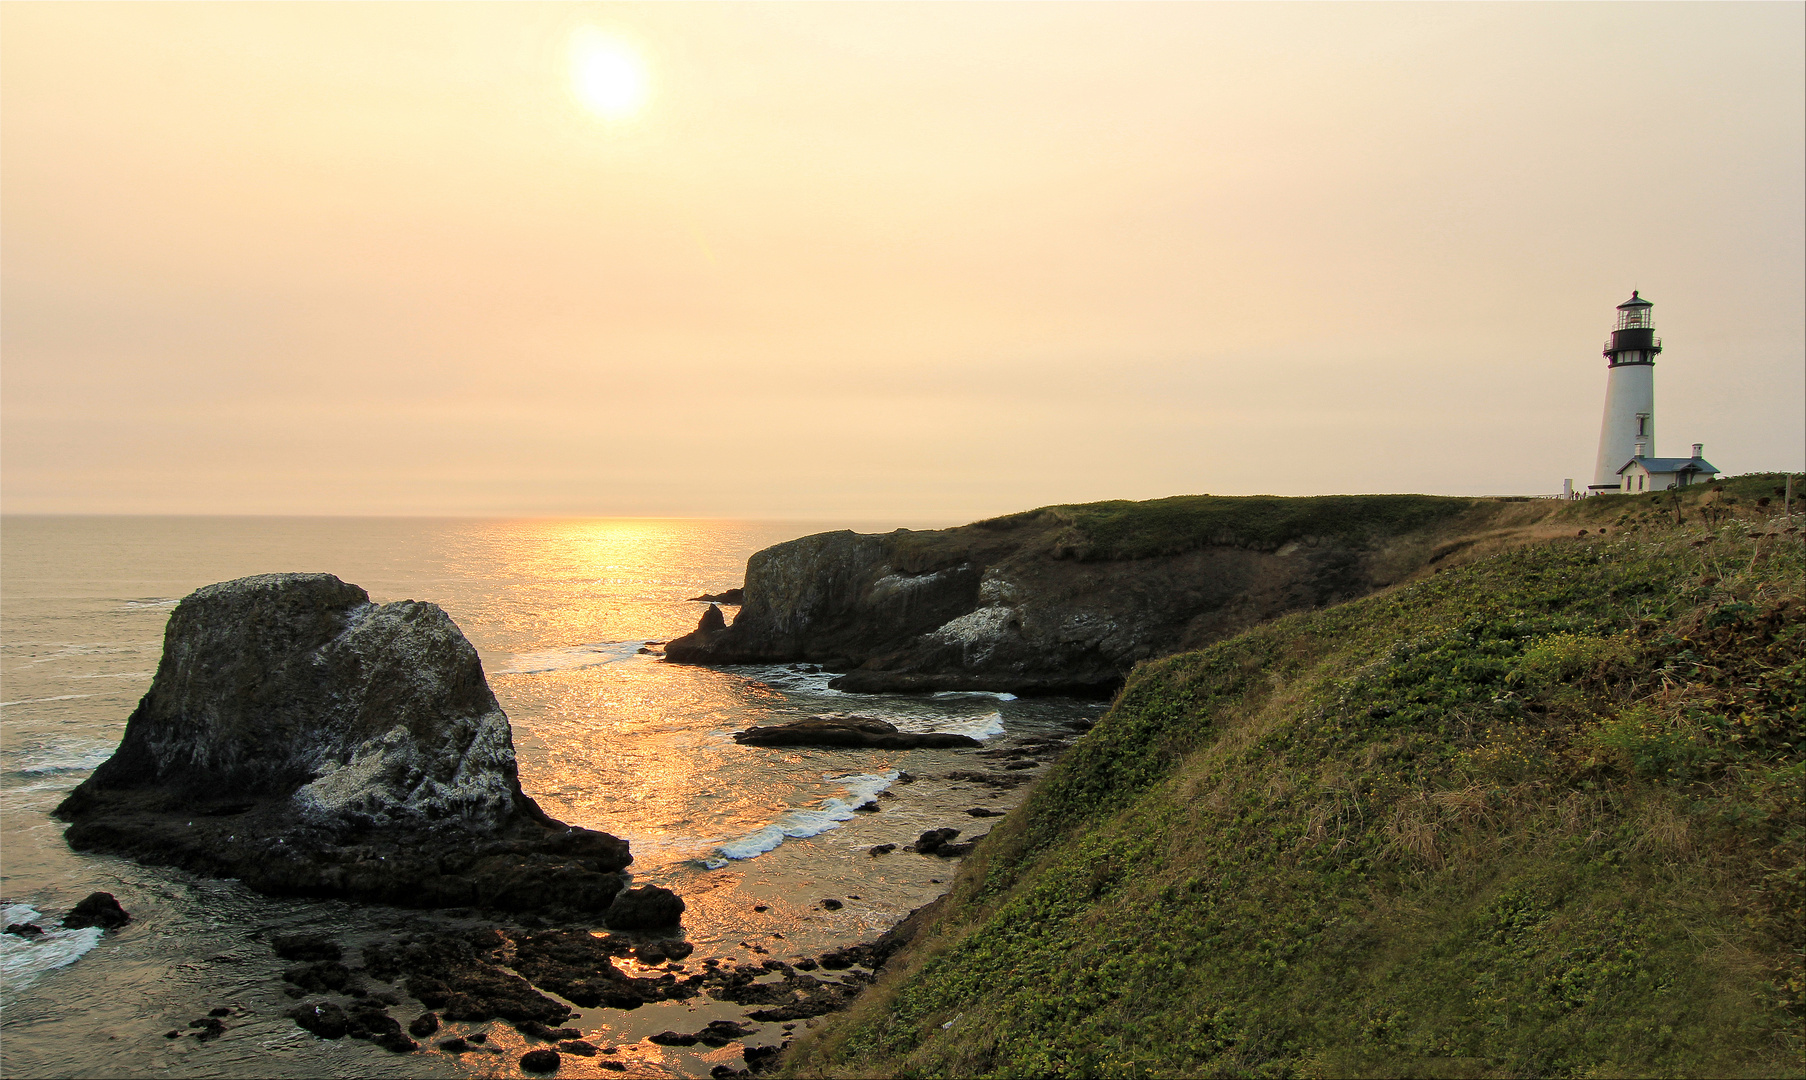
point(800, 823)
point(977, 727)
point(570, 658)
point(23, 960)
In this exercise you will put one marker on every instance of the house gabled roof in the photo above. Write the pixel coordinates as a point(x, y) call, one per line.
point(1671, 464)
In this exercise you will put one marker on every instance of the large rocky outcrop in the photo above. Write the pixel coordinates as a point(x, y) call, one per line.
point(867, 732)
point(1066, 599)
point(310, 742)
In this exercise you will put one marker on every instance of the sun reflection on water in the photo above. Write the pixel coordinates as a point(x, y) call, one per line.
point(613, 738)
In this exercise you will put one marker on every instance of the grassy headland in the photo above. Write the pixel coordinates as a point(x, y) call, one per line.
point(1540, 814)
point(1138, 530)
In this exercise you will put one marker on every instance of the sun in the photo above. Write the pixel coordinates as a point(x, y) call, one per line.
point(607, 74)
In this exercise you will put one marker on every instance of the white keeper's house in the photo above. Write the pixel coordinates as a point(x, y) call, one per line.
point(1627, 461)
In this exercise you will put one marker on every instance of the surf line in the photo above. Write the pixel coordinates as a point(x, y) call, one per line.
point(800, 823)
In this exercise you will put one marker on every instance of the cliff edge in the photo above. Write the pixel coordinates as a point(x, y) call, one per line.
point(1067, 599)
point(1540, 814)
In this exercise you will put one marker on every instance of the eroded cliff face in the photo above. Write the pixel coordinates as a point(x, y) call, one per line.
point(1021, 604)
point(308, 741)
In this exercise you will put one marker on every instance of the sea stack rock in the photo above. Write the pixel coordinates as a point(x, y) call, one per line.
point(309, 742)
point(712, 625)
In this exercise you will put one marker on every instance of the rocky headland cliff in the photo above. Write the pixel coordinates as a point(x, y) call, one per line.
point(1538, 814)
point(310, 742)
point(1067, 599)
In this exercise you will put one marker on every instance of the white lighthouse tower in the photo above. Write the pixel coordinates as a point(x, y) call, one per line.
point(1629, 427)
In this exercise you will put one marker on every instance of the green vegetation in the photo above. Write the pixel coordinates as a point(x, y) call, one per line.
point(1138, 530)
point(1543, 814)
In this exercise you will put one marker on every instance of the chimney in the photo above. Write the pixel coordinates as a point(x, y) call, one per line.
point(1640, 448)
point(1697, 447)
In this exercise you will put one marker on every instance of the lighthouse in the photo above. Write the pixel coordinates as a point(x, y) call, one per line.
point(1627, 452)
point(1628, 430)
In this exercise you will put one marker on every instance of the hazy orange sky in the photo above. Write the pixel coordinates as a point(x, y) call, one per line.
point(906, 262)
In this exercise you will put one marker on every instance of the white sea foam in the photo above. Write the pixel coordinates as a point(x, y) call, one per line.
point(61, 759)
point(997, 694)
point(65, 651)
point(37, 700)
point(786, 677)
point(570, 658)
point(977, 727)
point(114, 675)
point(800, 823)
point(23, 960)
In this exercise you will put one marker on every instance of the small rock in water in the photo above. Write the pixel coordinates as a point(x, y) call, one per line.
point(454, 1045)
point(870, 806)
point(760, 908)
point(220, 1011)
point(307, 947)
point(578, 1047)
point(96, 909)
point(725, 1030)
point(540, 1061)
point(324, 976)
point(882, 849)
point(25, 930)
point(423, 1025)
point(210, 1028)
point(173, 1033)
point(832, 905)
point(758, 1058)
point(934, 840)
point(396, 1042)
point(613, 1066)
point(648, 907)
point(673, 1038)
point(479, 1037)
point(979, 811)
point(536, 1030)
point(323, 1018)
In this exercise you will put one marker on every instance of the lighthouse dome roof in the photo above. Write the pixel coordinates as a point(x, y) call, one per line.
point(1634, 301)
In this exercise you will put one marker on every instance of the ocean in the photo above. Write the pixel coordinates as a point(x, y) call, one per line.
point(609, 737)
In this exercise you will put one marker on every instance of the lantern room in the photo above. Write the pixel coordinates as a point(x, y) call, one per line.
point(1633, 314)
point(1633, 339)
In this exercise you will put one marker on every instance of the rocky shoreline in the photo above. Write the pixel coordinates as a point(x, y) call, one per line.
point(313, 744)
point(441, 984)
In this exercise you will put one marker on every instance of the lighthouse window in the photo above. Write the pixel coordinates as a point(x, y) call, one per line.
point(1641, 421)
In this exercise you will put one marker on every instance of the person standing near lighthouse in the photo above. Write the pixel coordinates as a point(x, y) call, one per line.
point(1628, 430)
